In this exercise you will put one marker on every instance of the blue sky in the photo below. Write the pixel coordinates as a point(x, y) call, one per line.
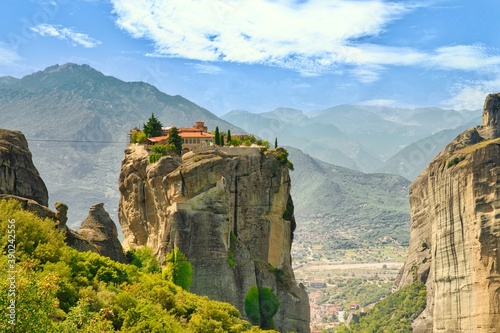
point(258, 55)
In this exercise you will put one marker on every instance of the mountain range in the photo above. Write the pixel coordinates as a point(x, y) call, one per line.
point(357, 137)
point(77, 121)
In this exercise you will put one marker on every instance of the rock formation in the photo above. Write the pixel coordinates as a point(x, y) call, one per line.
point(20, 181)
point(18, 175)
point(229, 211)
point(100, 231)
point(455, 232)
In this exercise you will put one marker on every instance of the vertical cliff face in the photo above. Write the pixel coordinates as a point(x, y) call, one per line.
point(230, 212)
point(18, 175)
point(455, 232)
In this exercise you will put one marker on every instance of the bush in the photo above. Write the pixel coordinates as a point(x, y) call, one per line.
point(159, 149)
point(139, 137)
point(155, 157)
point(261, 304)
point(85, 292)
point(178, 269)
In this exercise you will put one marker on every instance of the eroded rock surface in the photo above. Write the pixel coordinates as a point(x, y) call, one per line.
point(18, 175)
point(455, 232)
point(100, 231)
point(229, 210)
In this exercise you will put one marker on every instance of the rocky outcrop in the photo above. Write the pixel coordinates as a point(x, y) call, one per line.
point(18, 175)
point(455, 232)
point(229, 211)
point(20, 181)
point(100, 231)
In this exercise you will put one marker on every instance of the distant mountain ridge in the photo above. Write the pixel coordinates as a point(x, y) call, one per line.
point(332, 201)
point(358, 137)
point(76, 120)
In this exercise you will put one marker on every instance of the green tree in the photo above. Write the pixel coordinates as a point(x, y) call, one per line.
point(217, 136)
point(178, 269)
point(221, 139)
point(275, 143)
point(153, 127)
point(175, 139)
point(261, 304)
point(229, 136)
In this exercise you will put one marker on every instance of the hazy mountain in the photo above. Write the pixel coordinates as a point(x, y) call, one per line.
point(294, 128)
point(386, 130)
point(414, 158)
point(348, 207)
point(77, 119)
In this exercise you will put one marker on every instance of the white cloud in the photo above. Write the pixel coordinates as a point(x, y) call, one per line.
point(308, 36)
point(471, 95)
point(311, 37)
point(465, 57)
point(206, 68)
point(76, 38)
point(7, 56)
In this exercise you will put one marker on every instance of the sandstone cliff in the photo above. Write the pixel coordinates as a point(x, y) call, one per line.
point(230, 212)
point(455, 232)
point(18, 175)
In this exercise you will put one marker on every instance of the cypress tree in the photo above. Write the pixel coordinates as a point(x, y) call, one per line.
point(175, 139)
point(228, 136)
point(275, 143)
point(217, 136)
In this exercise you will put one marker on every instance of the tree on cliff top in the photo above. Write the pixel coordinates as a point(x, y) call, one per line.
point(174, 139)
point(153, 127)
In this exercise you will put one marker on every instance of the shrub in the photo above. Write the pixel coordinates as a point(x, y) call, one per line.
point(178, 269)
point(261, 304)
point(139, 137)
point(153, 158)
point(159, 149)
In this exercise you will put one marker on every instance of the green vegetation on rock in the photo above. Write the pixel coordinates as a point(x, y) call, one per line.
point(261, 304)
point(178, 269)
point(394, 313)
point(59, 289)
point(139, 137)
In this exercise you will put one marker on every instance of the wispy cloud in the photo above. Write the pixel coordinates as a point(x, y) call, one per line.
point(470, 95)
point(311, 37)
point(76, 38)
point(307, 36)
point(7, 56)
point(465, 57)
point(206, 68)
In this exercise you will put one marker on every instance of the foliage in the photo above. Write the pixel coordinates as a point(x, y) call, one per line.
point(139, 137)
point(69, 291)
point(362, 291)
point(455, 160)
point(178, 269)
point(143, 258)
point(217, 136)
point(155, 157)
point(282, 156)
point(160, 150)
point(228, 135)
point(263, 143)
point(235, 142)
point(221, 139)
point(174, 140)
point(275, 143)
point(153, 127)
point(394, 313)
point(261, 304)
